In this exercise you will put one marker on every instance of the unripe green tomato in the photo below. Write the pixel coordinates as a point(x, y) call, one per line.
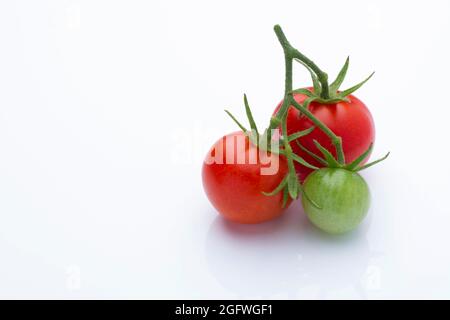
point(343, 197)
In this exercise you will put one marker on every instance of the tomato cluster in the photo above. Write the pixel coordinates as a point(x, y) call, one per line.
point(318, 139)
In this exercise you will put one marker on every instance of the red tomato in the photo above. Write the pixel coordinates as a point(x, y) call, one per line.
point(350, 120)
point(235, 187)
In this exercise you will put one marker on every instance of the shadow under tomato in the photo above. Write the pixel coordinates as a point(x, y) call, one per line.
point(281, 257)
point(260, 230)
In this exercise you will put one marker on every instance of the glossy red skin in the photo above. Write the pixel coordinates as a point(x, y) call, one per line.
point(235, 190)
point(350, 120)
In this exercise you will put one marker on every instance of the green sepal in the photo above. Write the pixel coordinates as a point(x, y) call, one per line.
point(300, 134)
point(278, 188)
point(329, 158)
point(303, 162)
point(332, 100)
point(305, 105)
point(250, 115)
point(312, 154)
point(355, 163)
point(304, 91)
point(274, 122)
point(254, 137)
point(302, 190)
point(373, 163)
point(292, 183)
point(285, 197)
point(340, 77)
point(354, 88)
point(264, 137)
point(236, 121)
point(308, 101)
point(315, 80)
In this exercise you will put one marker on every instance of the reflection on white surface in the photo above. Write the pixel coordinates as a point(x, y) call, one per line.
point(282, 257)
point(93, 203)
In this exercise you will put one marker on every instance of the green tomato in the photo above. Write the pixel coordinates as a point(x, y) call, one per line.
point(343, 197)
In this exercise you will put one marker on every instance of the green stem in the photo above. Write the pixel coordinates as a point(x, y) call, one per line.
point(282, 114)
point(289, 54)
point(285, 107)
point(287, 79)
point(337, 141)
point(294, 53)
point(321, 76)
point(277, 119)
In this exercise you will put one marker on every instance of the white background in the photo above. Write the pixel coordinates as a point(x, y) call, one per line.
point(107, 109)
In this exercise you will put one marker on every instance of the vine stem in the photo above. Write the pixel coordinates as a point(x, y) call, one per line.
point(285, 107)
point(294, 53)
point(291, 53)
point(337, 141)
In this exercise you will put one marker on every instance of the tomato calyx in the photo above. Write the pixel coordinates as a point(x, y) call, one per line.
point(323, 92)
point(330, 161)
point(334, 95)
point(261, 140)
point(290, 185)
